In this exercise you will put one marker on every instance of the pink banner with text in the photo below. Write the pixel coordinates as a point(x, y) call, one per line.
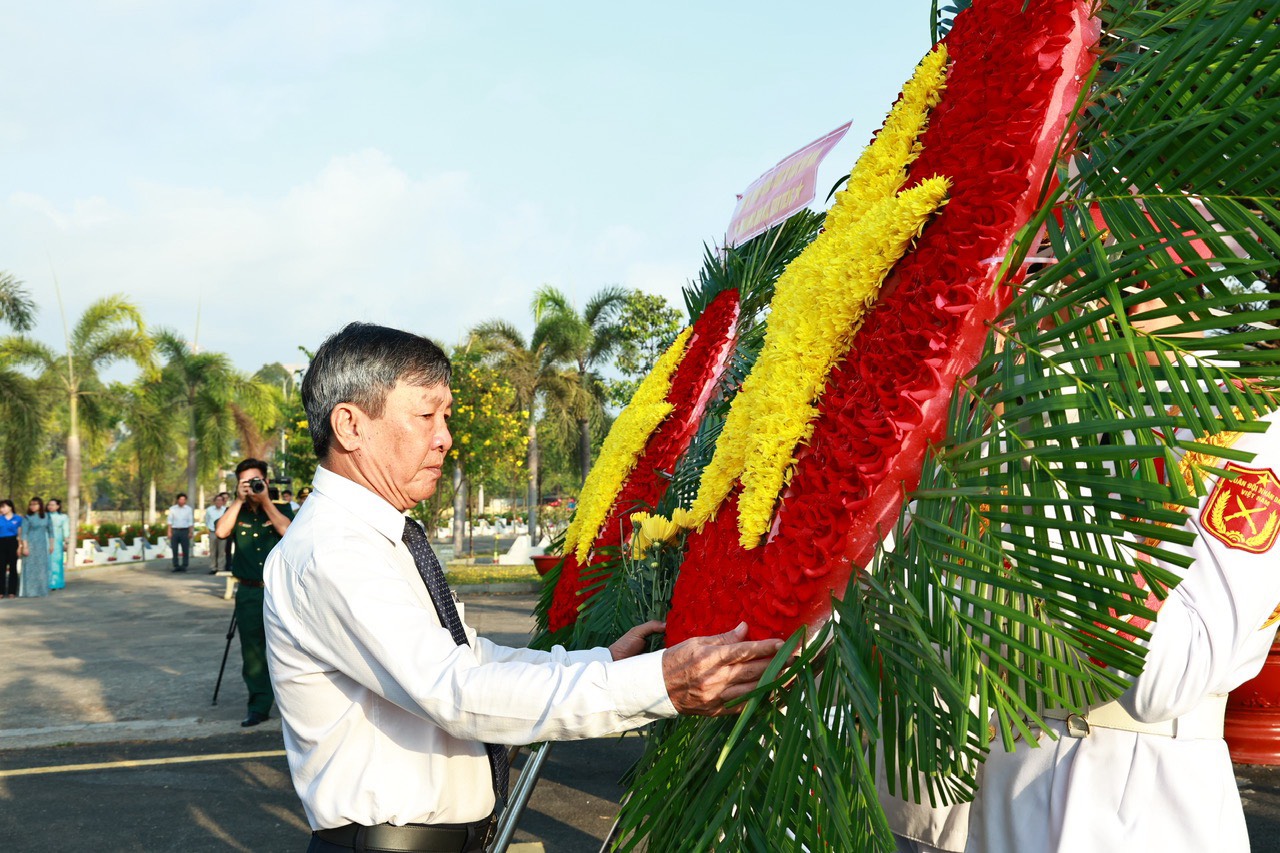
point(782, 190)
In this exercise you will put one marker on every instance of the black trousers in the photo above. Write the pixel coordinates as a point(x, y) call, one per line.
point(319, 845)
point(181, 539)
point(8, 565)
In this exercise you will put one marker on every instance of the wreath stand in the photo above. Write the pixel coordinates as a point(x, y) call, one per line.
point(520, 795)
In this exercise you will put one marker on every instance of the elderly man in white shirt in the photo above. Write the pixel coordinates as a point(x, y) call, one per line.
point(395, 713)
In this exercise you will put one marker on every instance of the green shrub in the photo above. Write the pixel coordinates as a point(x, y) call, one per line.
point(107, 530)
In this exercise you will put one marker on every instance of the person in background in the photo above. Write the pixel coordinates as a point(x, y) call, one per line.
point(181, 519)
point(303, 494)
point(37, 535)
point(287, 497)
point(61, 533)
point(256, 523)
point(10, 541)
point(217, 547)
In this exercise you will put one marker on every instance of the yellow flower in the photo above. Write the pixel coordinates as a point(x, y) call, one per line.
point(683, 518)
point(649, 530)
point(639, 540)
point(622, 446)
point(820, 302)
point(660, 529)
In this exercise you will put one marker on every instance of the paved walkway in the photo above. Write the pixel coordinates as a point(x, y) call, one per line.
point(108, 739)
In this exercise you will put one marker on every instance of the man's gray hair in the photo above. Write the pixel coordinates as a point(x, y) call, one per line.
point(360, 365)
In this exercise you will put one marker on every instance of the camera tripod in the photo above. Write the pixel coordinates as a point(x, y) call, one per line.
point(231, 632)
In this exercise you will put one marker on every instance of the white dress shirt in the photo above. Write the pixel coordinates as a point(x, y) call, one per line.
point(1119, 790)
point(181, 516)
point(212, 514)
point(385, 717)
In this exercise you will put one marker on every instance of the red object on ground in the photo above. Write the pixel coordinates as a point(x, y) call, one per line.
point(1253, 715)
point(1013, 82)
point(545, 562)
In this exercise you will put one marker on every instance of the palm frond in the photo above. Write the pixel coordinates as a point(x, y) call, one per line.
point(942, 17)
point(1037, 517)
point(17, 308)
point(753, 267)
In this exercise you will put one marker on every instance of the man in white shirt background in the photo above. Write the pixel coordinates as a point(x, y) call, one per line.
point(396, 715)
point(181, 519)
point(217, 547)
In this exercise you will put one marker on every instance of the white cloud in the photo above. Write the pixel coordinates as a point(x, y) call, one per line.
point(360, 239)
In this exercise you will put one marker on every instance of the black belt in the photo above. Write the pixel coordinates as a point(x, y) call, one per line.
point(255, 585)
point(412, 837)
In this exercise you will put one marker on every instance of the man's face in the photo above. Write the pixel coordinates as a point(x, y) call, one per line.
point(182, 500)
point(402, 457)
point(219, 500)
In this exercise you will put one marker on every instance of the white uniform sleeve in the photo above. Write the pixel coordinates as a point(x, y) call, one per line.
point(1208, 637)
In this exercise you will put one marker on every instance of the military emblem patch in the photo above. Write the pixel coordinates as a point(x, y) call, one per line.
point(1244, 513)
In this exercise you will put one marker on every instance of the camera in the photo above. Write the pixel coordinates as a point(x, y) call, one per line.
point(257, 485)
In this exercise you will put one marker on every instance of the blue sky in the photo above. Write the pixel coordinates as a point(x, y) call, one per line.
point(295, 165)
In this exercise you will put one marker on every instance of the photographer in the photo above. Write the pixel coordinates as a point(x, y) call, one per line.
point(255, 524)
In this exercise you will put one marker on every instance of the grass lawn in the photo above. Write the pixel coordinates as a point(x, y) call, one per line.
point(461, 573)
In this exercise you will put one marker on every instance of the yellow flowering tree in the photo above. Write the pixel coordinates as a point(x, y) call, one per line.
point(490, 431)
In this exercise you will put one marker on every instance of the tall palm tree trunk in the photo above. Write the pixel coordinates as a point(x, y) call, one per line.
point(459, 509)
point(191, 451)
point(584, 447)
point(532, 496)
point(73, 479)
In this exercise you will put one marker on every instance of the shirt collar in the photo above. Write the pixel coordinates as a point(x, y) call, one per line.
point(360, 502)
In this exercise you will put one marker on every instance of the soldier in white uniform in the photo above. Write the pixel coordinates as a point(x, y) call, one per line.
point(1151, 771)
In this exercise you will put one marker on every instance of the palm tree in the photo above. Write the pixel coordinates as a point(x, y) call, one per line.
point(111, 329)
point(17, 308)
point(531, 370)
point(583, 342)
point(206, 389)
point(151, 437)
point(20, 422)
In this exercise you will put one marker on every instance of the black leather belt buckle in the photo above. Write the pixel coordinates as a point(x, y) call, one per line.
point(485, 833)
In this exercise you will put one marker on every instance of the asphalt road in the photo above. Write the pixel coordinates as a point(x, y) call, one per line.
point(108, 740)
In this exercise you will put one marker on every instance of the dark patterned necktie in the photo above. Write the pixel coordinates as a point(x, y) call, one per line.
point(442, 597)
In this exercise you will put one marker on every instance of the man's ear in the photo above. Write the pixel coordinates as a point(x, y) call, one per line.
point(348, 424)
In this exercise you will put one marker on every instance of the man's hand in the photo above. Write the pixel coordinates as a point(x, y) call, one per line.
point(634, 642)
point(704, 673)
point(254, 499)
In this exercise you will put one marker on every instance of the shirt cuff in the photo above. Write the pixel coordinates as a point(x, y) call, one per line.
point(638, 687)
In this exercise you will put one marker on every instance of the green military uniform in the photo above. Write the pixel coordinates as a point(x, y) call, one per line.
point(254, 538)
